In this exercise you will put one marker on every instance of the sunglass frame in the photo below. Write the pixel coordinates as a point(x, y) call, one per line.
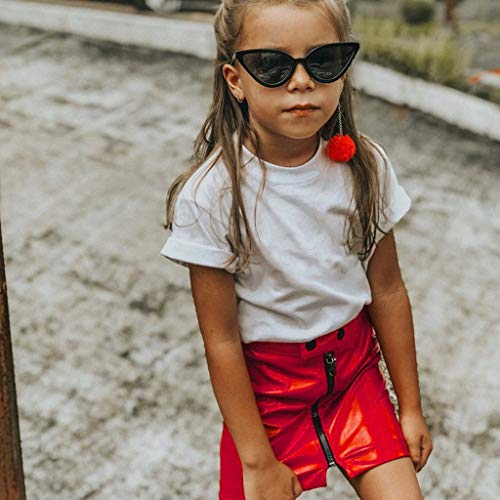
point(239, 55)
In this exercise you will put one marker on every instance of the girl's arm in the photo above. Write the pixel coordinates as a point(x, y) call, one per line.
point(390, 313)
point(216, 309)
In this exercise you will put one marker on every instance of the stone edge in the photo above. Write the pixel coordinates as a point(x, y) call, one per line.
point(196, 38)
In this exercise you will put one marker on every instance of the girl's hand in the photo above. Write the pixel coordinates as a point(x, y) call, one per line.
point(417, 437)
point(272, 481)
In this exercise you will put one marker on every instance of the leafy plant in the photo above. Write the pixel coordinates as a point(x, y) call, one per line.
point(418, 11)
point(423, 50)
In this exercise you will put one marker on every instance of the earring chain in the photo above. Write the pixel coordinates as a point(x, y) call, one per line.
point(340, 120)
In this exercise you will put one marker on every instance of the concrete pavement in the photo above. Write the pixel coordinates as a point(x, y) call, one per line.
point(114, 396)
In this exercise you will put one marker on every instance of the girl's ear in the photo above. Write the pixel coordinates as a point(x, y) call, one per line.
point(230, 74)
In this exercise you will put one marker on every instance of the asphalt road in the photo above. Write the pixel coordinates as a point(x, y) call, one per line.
point(114, 395)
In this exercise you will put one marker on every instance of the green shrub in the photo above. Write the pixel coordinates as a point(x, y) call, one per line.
point(422, 51)
point(418, 11)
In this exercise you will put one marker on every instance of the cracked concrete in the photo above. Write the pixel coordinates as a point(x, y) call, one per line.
point(114, 395)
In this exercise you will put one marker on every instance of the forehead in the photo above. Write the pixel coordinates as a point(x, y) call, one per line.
point(293, 29)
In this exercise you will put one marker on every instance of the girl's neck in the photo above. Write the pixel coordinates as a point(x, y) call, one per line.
point(287, 153)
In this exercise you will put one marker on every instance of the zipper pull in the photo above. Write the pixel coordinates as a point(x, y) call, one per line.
point(333, 369)
point(330, 361)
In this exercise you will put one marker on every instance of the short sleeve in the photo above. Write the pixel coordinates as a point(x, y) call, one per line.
point(395, 202)
point(197, 236)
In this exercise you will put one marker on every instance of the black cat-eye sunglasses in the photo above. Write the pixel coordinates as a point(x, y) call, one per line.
point(272, 68)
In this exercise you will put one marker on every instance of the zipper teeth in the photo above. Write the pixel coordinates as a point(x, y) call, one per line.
point(321, 435)
point(331, 370)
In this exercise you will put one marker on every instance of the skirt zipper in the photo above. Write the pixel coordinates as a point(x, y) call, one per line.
point(331, 370)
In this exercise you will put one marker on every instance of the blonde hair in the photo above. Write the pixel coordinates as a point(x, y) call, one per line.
point(227, 116)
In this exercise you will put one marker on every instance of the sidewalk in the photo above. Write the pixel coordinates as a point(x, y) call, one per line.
point(113, 390)
point(192, 34)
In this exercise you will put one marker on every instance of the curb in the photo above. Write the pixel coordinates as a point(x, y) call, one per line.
point(197, 39)
point(175, 35)
point(450, 105)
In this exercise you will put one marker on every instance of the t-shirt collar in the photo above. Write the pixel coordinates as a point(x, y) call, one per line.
point(281, 175)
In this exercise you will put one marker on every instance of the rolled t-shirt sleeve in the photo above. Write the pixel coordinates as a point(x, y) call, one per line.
point(197, 236)
point(395, 201)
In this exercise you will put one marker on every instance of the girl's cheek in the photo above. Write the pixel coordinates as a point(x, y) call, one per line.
point(265, 109)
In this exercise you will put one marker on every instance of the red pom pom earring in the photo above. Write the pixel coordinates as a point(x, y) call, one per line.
point(341, 147)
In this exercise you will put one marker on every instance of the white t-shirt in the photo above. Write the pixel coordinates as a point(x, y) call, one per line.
point(301, 283)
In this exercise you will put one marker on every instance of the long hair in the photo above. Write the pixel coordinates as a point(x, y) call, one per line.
point(227, 117)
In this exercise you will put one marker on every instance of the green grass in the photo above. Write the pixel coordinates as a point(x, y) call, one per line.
point(426, 51)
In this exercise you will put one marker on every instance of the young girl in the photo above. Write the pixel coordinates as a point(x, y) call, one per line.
point(285, 223)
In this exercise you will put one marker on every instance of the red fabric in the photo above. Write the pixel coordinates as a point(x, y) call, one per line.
point(357, 417)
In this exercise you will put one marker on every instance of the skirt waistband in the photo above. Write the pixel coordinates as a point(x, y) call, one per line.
point(315, 346)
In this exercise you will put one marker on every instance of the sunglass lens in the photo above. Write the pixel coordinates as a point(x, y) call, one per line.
point(269, 67)
point(331, 61)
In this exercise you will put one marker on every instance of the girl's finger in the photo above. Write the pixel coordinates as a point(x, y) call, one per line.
point(415, 451)
point(297, 488)
point(426, 451)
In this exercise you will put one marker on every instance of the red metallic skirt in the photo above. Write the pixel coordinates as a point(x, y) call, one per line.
point(323, 403)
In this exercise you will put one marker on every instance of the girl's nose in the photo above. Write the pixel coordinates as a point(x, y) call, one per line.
point(301, 76)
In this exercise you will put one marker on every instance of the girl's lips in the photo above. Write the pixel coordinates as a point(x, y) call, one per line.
point(302, 112)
